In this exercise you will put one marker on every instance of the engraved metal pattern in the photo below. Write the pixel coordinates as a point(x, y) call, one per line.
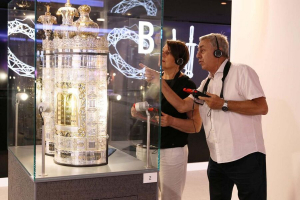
point(47, 20)
point(66, 109)
point(82, 95)
point(79, 84)
point(82, 43)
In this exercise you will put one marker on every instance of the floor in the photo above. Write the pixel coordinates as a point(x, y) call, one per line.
point(4, 193)
point(196, 187)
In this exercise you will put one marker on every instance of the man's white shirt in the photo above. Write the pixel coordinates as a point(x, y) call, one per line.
point(231, 136)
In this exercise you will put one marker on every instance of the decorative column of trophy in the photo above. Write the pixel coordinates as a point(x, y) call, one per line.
point(47, 57)
point(80, 90)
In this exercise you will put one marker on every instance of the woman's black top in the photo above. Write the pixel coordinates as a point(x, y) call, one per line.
point(171, 137)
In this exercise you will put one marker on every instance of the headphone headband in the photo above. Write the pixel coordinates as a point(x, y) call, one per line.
point(218, 53)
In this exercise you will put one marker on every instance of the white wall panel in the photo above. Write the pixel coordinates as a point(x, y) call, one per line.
point(266, 36)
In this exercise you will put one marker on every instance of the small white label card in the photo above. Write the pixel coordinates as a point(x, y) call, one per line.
point(150, 177)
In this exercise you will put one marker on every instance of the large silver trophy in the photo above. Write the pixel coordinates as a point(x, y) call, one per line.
point(80, 90)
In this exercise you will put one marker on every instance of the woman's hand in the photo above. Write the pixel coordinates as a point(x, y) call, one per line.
point(133, 112)
point(151, 75)
point(165, 119)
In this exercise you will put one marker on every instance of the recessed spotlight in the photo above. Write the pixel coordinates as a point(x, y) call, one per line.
point(223, 3)
point(128, 14)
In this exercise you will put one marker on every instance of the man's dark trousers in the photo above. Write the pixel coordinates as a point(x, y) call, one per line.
point(247, 173)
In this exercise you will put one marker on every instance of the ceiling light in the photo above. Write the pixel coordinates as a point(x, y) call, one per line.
point(223, 3)
point(100, 19)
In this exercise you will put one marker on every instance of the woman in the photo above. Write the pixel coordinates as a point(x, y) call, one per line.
point(175, 126)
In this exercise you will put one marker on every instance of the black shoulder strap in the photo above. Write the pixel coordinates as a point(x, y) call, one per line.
point(225, 72)
point(205, 86)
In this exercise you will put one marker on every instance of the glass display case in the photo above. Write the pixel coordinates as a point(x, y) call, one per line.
point(73, 77)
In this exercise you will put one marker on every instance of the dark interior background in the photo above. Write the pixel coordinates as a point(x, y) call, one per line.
point(206, 15)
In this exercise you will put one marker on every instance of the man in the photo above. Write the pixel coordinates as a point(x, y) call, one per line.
point(232, 121)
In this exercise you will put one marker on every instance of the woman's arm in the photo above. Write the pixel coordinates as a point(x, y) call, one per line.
point(181, 105)
point(191, 125)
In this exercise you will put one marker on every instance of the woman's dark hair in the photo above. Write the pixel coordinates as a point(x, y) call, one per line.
point(179, 51)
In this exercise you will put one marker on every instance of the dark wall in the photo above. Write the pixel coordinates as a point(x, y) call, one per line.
point(3, 82)
point(3, 93)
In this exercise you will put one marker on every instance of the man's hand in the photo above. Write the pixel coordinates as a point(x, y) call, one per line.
point(151, 75)
point(213, 102)
point(165, 120)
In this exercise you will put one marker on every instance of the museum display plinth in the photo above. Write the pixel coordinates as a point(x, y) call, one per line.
point(73, 76)
point(122, 179)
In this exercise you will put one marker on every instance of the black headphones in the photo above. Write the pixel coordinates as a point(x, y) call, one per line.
point(217, 53)
point(180, 61)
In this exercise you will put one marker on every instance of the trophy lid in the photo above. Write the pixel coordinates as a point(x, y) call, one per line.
point(85, 26)
point(68, 8)
point(84, 9)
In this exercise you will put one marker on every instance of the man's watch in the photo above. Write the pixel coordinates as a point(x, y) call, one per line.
point(225, 106)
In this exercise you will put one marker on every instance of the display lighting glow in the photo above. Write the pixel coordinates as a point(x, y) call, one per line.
point(3, 76)
point(31, 16)
point(93, 3)
point(18, 66)
point(116, 60)
point(22, 96)
point(191, 46)
point(173, 34)
point(143, 37)
point(17, 26)
point(118, 97)
point(126, 5)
